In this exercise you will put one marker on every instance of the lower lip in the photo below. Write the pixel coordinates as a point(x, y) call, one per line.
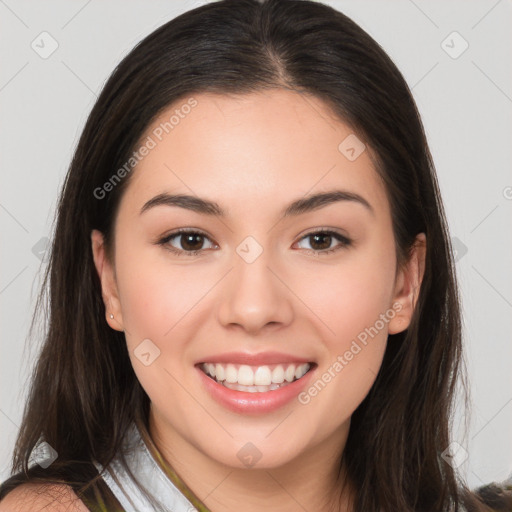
point(254, 403)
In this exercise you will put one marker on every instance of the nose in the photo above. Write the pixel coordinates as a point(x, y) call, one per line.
point(255, 296)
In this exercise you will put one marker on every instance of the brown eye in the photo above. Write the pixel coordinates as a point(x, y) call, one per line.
point(188, 242)
point(321, 242)
point(191, 241)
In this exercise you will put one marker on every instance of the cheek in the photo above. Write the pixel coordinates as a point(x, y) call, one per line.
point(353, 302)
point(342, 384)
point(158, 301)
point(350, 295)
point(156, 294)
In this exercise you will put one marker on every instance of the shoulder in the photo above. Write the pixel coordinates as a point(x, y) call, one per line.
point(32, 497)
point(495, 495)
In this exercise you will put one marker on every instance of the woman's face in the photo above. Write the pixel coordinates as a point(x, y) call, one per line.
point(266, 295)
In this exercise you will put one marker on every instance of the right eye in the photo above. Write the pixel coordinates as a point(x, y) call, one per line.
point(191, 242)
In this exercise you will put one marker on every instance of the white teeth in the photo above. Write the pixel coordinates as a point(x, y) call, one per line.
point(254, 389)
point(301, 370)
point(245, 375)
point(289, 374)
point(255, 378)
point(231, 374)
point(278, 375)
point(262, 376)
point(220, 374)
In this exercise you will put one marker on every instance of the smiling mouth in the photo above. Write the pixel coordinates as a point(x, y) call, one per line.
point(255, 379)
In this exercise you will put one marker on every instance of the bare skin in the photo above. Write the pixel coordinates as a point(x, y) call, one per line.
point(42, 497)
point(253, 155)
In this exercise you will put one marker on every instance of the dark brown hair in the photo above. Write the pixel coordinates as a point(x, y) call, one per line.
point(84, 392)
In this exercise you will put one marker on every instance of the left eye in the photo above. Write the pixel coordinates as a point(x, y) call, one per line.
point(324, 239)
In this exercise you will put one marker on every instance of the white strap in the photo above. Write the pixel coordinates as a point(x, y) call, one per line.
point(147, 470)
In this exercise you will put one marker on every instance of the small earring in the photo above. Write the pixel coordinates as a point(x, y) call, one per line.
point(111, 315)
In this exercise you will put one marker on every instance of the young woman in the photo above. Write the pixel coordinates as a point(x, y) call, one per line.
point(251, 289)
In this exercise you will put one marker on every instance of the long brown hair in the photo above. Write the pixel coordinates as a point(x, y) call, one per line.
point(84, 393)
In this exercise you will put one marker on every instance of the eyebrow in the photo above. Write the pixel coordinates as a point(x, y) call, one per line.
point(298, 207)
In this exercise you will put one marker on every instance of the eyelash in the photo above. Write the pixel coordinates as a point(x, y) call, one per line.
point(345, 242)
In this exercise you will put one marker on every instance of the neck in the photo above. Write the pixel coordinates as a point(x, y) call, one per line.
point(311, 481)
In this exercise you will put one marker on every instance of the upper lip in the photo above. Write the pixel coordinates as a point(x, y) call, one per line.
point(260, 359)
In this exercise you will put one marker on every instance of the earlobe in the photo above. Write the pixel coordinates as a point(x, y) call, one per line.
point(108, 283)
point(407, 286)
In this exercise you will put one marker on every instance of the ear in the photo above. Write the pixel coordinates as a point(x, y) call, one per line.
point(407, 286)
point(106, 273)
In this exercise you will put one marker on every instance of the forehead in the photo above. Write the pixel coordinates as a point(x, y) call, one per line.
point(244, 149)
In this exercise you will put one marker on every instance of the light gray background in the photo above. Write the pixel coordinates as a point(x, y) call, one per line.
point(466, 104)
